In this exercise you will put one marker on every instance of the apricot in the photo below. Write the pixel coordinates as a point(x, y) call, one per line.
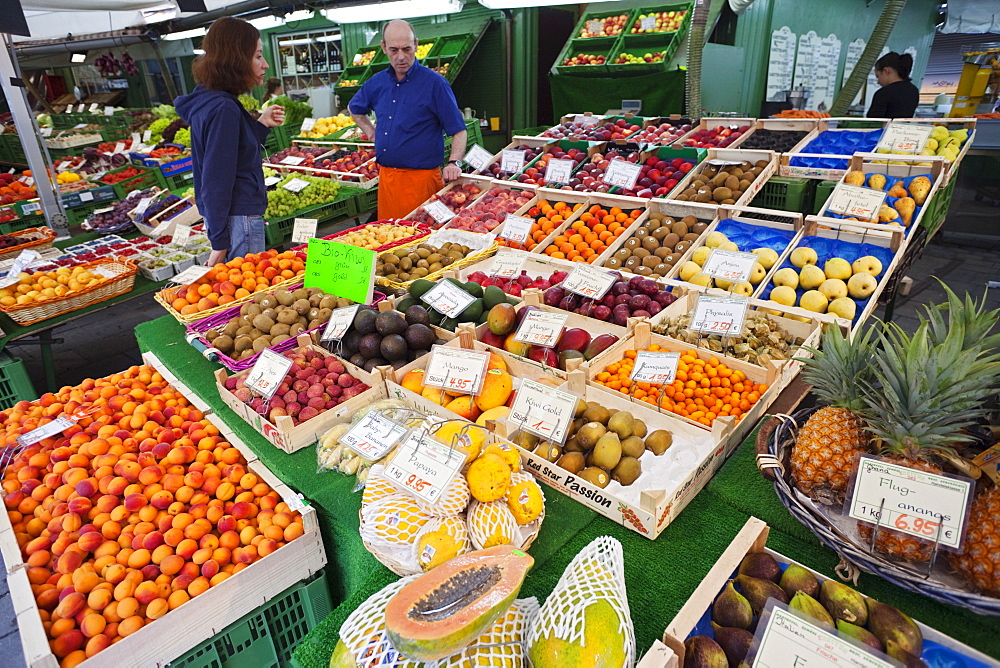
point(86, 582)
point(146, 592)
point(92, 625)
point(198, 586)
point(96, 644)
point(98, 599)
point(127, 607)
point(130, 625)
point(61, 626)
point(66, 643)
point(124, 590)
point(178, 598)
point(157, 608)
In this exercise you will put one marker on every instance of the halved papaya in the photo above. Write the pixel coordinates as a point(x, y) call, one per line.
point(446, 609)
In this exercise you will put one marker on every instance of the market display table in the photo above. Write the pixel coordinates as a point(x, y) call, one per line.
point(660, 574)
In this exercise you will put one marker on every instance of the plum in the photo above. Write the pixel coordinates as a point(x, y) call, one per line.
point(317, 402)
point(664, 298)
point(639, 302)
point(307, 413)
point(345, 380)
point(649, 287)
point(231, 383)
point(653, 307)
point(601, 312)
point(523, 313)
point(623, 299)
point(568, 303)
point(609, 301)
point(635, 282)
point(553, 296)
point(640, 314)
point(586, 308)
point(303, 398)
point(619, 288)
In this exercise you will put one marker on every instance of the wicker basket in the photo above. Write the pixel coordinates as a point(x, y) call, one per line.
point(41, 238)
point(422, 231)
point(196, 332)
point(775, 461)
point(165, 296)
point(120, 283)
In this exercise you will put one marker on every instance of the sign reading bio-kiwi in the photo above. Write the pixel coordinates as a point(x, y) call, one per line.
point(340, 269)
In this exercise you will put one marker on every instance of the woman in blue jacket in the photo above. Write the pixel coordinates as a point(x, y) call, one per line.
point(226, 140)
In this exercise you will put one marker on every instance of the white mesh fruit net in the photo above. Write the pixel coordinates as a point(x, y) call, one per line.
point(492, 524)
point(596, 572)
point(453, 501)
point(363, 632)
point(454, 526)
point(377, 487)
point(393, 520)
point(502, 646)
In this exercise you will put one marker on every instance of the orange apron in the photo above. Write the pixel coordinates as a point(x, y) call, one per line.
point(400, 191)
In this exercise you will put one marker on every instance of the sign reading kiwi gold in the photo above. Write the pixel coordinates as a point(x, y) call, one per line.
point(730, 265)
point(456, 369)
point(340, 269)
point(339, 322)
point(447, 299)
point(790, 638)
point(424, 467)
point(918, 503)
point(543, 411)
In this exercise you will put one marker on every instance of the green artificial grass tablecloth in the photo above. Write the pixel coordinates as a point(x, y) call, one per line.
point(660, 575)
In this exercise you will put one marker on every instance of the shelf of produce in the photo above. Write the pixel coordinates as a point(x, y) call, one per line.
point(279, 230)
point(694, 617)
point(146, 178)
point(595, 46)
point(967, 124)
point(722, 156)
point(656, 50)
point(781, 125)
point(798, 162)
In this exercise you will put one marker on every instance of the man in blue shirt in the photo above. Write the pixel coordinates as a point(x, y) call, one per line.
point(413, 106)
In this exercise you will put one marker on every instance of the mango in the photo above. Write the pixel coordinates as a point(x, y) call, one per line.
point(497, 386)
point(501, 319)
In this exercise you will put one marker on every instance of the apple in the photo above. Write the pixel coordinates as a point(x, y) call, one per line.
point(833, 288)
point(843, 307)
point(744, 289)
point(837, 267)
point(786, 277)
point(861, 286)
point(784, 295)
point(868, 264)
point(758, 273)
point(802, 256)
point(766, 256)
point(688, 270)
point(814, 300)
point(811, 277)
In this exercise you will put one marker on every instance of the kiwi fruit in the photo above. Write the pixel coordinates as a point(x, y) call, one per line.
point(633, 446)
point(590, 433)
point(650, 243)
point(613, 263)
point(596, 413)
point(596, 476)
point(571, 461)
point(722, 193)
point(659, 441)
point(638, 428)
point(263, 323)
point(224, 343)
point(650, 261)
point(261, 342)
point(627, 471)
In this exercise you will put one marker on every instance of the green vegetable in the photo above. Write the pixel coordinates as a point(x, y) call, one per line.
point(249, 103)
point(295, 112)
point(157, 127)
point(165, 111)
point(183, 137)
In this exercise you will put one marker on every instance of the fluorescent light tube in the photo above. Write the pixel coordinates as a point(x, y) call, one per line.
point(294, 42)
point(396, 9)
point(300, 15)
point(266, 22)
point(78, 58)
point(328, 38)
point(521, 4)
point(185, 34)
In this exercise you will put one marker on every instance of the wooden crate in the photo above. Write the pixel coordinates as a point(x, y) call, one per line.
point(484, 183)
point(649, 511)
point(199, 619)
point(511, 185)
point(189, 216)
point(735, 155)
point(953, 124)
point(725, 431)
point(753, 538)
point(874, 163)
point(291, 438)
point(781, 124)
point(589, 199)
point(734, 213)
point(711, 122)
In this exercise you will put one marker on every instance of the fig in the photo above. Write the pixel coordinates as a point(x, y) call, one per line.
point(757, 591)
point(842, 602)
point(795, 579)
point(859, 633)
point(733, 641)
point(806, 604)
point(732, 609)
point(760, 565)
point(891, 625)
point(703, 652)
point(908, 659)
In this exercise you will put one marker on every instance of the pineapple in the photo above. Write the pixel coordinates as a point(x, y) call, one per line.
point(979, 561)
point(924, 393)
point(830, 442)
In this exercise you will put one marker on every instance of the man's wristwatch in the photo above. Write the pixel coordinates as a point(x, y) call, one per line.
point(457, 163)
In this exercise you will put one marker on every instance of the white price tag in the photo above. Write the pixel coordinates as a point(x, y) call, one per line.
point(790, 638)
point(20, 264)
point(272, 181)
point(586, 119)
point(267, 373)
point(559, 170)
point(543, 411)
point(647, 23)
point(119, 147)
point(439, 211)
point(304, 230)
point(456, 369)
point(32, 207)
point(105, 272)
point(718, 315)
point(45, 132)
point(424, 467)
point(655, 367)
point(541, 328)
point(94, 107)
point(109, 111)
point(190, 275)
point(293, 160)
point(929, 506)
point(86, 196)
point(904, 138)
point(478, 157)
point(135, 141)
point(57, 426)
point(80, 125)
point(447, 298)
point(30, 181)
point(511, 160)
point(147, 136)
point(296, 185)
point(622, 173)
point(143, 204)
point(340, 321)
point(588, 281)
point(855, 201)
point(730, 265)
point(516, 228)
point(594, 26)
point(373, 436)
point(181, 235)
point(507, 265)
point(308, 124)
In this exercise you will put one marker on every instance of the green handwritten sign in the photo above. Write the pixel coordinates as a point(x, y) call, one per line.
point(340, 269)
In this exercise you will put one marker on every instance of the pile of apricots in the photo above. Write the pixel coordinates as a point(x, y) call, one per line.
point(237, 279)
point(131, 512)
point(591, 234)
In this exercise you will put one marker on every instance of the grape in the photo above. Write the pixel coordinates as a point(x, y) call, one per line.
point(282, 202)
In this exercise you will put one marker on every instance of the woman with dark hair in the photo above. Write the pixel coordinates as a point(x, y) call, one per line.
point(272, 88)
point(897, 97)
point(226, 140)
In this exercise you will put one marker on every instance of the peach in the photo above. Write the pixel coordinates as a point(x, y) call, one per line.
point(226, 523)
point(150, 571)
point(241, 510)
point(92, 625)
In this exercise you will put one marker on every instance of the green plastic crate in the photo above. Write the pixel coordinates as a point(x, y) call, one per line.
point(938, 208)
point(78, 214)
point(14, 382)
point(24, 223)
point(823, 192)
point(451, 45)
point(265, 637)
point(5, 147)
point(147, 178)
point(16, 150)
point(279, 230)
point(593, 46)
point(784, 194)
point(368, 200)
point(666, 49)
point(591, 16)
point(184, 180)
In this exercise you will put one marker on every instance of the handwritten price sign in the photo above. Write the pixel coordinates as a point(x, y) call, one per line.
point(516, 228)
point(478, 157)
point(293, 160)
point(507, 265)
point(543, 411)
point(296, 185)
point(439, 211)
point(511, 160)
point(914, 502)
point(622, 173)
point(304, 230)
point(340, 321)
point(718, 315)
point(588, 281)
point(424, 467)
point(655, 367)
point(541, 328)
point(267, 373)
point(456, 370)
point(730, 265)
point(448, 299)
point(559, 170)
point(57, 426)
point(374, 436)
point(856, 201)
point(905, 138)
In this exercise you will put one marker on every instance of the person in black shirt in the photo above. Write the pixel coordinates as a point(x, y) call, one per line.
point(897, 97)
